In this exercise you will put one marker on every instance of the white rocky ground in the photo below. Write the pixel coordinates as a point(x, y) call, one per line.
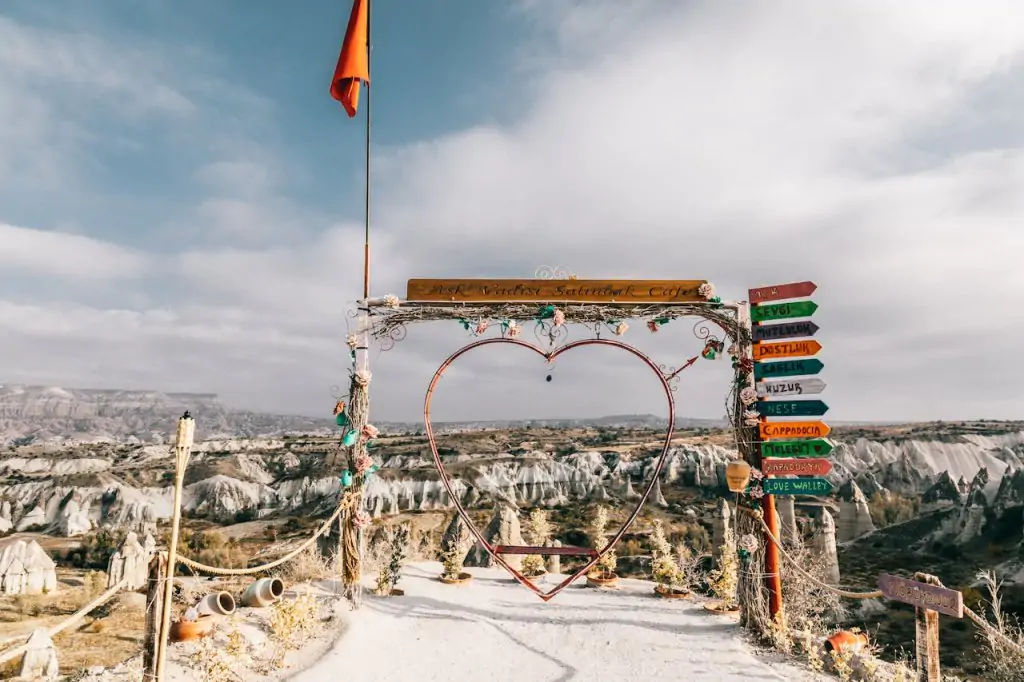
point(497, 630)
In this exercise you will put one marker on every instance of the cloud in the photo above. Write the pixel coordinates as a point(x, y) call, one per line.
point(872, 147)
point(66, 256)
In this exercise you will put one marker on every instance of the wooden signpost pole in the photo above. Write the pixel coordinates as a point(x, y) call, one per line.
point(929, 598)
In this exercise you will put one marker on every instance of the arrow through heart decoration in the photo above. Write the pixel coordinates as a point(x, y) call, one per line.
point(664, 379)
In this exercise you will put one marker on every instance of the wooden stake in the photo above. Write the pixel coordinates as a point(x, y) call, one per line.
point(927, 622)
point(154, 612)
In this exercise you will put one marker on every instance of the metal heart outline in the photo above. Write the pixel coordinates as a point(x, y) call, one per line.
point(549, 356)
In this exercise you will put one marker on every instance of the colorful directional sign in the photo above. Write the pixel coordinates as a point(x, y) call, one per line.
point(795, 467)
point(797, 486)
point(794, 429)
point(786, 349)
point(922, 595)
point(819, 447)
point(782, 311)
point(781, 291)
point(787, 368)
point(784, 387)
point(785, 330)
point(791, 408)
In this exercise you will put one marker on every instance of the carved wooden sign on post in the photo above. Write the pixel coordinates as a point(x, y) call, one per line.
point(930, 598)
point(554, 290)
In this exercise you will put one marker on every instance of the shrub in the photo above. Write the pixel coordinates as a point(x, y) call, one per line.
point(663, 564)
point(596, 534)
point(538, 534)
point(396, 545)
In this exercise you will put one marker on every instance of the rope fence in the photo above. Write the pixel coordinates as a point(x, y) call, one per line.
point(977, 619)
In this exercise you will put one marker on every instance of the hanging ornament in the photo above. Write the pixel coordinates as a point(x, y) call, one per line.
point(391, 301)
point(352, 341)
point(748, 396)
point(707, 290)
point(341, 419)
point(546, 312)
point(370, 432)
point(481, 326)
point(620, 328)
point(346, 478)
point(558, 317)
point(361, 519)
point(349, 439)
point(363, 377)
point(737, 475)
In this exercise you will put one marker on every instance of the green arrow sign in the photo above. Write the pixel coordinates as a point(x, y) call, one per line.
point(819, 447)
point(797, 486)
point(787, 368)
point(791, 408)
point(782, 311)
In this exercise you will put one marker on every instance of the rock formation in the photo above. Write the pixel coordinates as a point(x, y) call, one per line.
point(657, 497)
point(40, 659)
point(26, 569)
point(721, 530)
point(943, 494)
point(787, 518)
point(554, 561)
point(503, 529)
point(824, 544)
point(131, 562)
point(854, 514)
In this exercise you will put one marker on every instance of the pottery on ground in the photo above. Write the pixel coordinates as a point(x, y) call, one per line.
point(187, 630)
point(216, 604)
point(721, 609)
point(845, 641)
point(602, 579)
point(263, 592)
point(669, 593)
point(461, 580)
point(398, 592)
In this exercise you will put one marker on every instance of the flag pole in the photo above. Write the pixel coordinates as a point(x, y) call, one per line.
point(366, 207)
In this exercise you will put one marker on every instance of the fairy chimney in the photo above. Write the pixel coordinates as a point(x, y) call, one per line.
point(824, 542)
point(721, 530)
point(130, 562)
point(787, 518)
point(854, 514)
point(503, 529)
point(656, 495)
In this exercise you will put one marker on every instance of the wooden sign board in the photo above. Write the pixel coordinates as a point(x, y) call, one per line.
point(791, 408)
point(553, 291)
point(793, 430)
point(785, 330)
point(787, 368)
point(782, 311)
point(786, 349)
point(795, 467)
point(796, 486)
point(783, 387)
point(819, 447)
point(922, 595)
point(781, 291)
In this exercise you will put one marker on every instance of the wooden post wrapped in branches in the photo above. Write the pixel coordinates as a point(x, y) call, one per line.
point(154, 610)
point(359, 406)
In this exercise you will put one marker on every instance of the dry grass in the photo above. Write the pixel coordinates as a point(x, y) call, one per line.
point(307, 566)
point(1002, 663)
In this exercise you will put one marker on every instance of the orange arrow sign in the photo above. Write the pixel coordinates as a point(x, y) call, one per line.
point(794, 429)
point(786, 349)
point(796, 467)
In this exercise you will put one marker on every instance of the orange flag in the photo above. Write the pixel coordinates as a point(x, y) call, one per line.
point(354, 60)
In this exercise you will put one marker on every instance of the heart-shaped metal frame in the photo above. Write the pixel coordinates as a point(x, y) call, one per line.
point(549, 356)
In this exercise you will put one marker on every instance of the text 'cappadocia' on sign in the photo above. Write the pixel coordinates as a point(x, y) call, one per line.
point(787, 368)
point(794, 429)
point(797, 486)
point(815, 447)
point(795, 467)
point(786, 349)
point(554, 291)
point(781, 291)
point(785, 387)
point(784, 330)
point(922, 595)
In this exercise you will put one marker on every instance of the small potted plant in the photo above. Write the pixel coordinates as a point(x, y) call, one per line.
point(724, 582)
point(538, 533)
point(452, 554)
point(667, 570)
point(390, 572)
point(603, 573)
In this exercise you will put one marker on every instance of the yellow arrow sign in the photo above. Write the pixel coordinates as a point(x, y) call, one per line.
point(794, 429)
point(786, 349)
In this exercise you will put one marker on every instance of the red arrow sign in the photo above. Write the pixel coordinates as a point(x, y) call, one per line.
point(781, 291)
point(796, 467)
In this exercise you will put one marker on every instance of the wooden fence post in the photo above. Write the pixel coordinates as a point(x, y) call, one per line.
point(154, 609)
point(927, 622)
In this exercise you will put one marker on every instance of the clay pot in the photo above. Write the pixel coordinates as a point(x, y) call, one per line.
point(602, 579)
point(263, 592)
point(216, 604)
point(669, 593)
point(845, 641)
point(737, 475)
point(397, 592)
point(461, 580)
point(187, 630)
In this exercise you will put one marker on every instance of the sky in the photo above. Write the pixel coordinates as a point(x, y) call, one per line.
point(181, 199)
